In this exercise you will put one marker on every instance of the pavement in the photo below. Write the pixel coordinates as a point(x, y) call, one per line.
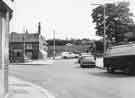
point(35, 62)
point(19, 88)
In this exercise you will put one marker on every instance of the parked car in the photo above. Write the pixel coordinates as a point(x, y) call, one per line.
point(82, 55)
point(87, 61)
point(68, 55)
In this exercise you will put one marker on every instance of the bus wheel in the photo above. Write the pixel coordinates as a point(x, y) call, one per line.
point(130, 71)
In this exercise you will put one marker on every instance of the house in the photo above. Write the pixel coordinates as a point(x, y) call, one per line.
point(26, 45)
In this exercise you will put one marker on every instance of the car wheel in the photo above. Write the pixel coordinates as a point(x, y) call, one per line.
point(110, 69)
point(81, 65)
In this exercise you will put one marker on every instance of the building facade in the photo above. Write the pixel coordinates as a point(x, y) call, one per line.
point(23, 46)
point(5, 17)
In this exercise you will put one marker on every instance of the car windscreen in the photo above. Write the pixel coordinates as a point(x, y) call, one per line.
point(88, 57)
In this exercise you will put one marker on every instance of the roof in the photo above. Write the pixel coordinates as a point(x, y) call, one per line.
point(4, 7)
point(21, 37)
point(121, 50)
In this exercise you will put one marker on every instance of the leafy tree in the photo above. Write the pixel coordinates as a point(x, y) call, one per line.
point(117, 20)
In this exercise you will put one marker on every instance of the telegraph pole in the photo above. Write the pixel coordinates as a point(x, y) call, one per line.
point(54, 52)
point(24, 47)
point(104, 29)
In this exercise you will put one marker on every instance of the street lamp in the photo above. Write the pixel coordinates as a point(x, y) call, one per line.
point(104, 36)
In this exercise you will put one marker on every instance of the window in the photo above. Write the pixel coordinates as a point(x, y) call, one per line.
point(28, 46)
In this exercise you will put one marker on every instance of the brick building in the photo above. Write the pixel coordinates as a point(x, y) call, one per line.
point(26, 46)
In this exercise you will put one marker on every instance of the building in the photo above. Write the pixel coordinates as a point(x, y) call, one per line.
point(5, 17)
point(23, 46)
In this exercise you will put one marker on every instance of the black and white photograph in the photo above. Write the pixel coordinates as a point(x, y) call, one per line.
point(67, 49)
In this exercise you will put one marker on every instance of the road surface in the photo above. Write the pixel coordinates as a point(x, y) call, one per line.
point(65, 79)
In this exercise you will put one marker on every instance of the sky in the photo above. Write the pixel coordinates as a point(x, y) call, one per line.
point(68, 18)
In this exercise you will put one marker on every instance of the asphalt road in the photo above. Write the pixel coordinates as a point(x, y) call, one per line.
point(65, 79)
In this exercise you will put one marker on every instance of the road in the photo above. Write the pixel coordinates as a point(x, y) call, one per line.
point(65, 79)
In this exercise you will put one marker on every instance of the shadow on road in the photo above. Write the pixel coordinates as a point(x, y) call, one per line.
point(87, 67)
point(76, 62)
point(77, 66)
point(111, 75)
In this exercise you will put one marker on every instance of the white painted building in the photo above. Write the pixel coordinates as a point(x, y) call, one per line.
point(5, 17)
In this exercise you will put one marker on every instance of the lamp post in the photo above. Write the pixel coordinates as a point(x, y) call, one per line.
point(104, 35)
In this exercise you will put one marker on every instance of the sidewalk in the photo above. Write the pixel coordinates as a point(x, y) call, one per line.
point(35, 62)
point(22, 89)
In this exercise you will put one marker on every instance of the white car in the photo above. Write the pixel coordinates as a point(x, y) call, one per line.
point(68, 55)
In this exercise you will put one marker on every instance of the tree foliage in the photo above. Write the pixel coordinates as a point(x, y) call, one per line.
point(117, 20)
point(62, 42)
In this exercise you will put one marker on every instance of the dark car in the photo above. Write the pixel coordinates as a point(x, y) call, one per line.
point(83, 55)
point(87, 61)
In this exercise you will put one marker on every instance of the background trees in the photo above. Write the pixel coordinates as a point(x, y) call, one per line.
point(118, 20)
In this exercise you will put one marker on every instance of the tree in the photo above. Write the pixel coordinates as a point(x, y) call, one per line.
point(117, 20)
point(99, 46)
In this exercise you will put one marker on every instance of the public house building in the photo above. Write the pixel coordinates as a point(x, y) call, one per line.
point(24, 46)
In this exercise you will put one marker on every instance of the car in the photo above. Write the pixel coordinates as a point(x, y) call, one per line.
point(76, 55)
point(87, 61)
point(82, 55)
point(66, 55)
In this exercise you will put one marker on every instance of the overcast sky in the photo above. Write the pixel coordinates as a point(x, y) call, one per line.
point(69, 18)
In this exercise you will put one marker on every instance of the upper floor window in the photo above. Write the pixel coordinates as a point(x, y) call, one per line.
point(28, 46)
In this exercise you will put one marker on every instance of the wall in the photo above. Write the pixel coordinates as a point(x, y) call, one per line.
point(3, 40)
point(0, 37)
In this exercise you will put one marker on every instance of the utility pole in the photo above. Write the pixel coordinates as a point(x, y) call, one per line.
point(54, 52)
point(24, 47)
point(104, 29)
point(104, 35)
